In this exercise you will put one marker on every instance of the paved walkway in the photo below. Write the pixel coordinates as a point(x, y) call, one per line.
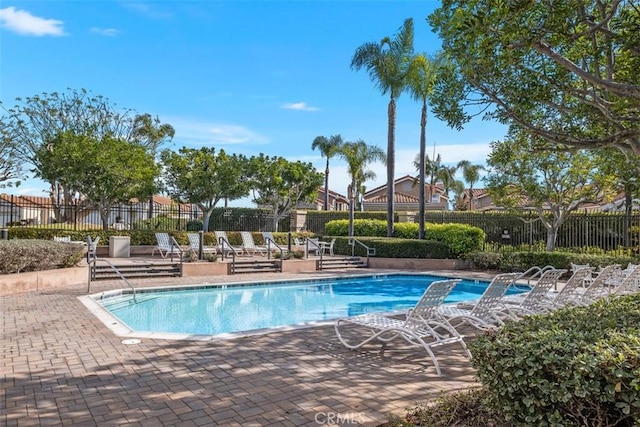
point(62, 366)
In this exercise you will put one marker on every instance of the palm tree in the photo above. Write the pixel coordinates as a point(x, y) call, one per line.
point(358, 156)
point(428, 167)
point(328, 148)
point(471, 174)
point(387, 63)
point(421, 79)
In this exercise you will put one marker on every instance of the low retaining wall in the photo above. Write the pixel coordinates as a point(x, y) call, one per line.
point(419, 263)
point(39, 280)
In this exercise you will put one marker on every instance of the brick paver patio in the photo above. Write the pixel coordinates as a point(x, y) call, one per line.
point(62, 366)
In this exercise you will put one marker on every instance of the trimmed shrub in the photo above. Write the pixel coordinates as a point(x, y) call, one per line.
point(522, 261)
point(460, 238)
point(394, 248)
point(576, 366)
point(18, 256)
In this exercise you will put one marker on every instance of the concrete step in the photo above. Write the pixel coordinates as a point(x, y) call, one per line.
point(256, 266)
point(347, 262)
point(137, 271)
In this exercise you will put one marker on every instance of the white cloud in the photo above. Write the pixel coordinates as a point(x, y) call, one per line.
point(300, 106)
point(22, 22)
point(147, 10)
point(198, 134)
point(110, 32)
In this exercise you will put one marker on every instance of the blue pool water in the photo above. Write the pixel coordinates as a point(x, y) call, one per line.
point(211, 310)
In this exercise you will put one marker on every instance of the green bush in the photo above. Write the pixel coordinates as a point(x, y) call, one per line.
point(460, 238)
point(522, 261)
point(393, 248)
point(576, 366)
point(19, 255)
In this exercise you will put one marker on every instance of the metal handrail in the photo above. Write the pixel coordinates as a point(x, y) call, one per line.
point(318, 248)
point(222, 242)
point(370, 251)
point(175, 244)
point(269, 241)
point(94, 260)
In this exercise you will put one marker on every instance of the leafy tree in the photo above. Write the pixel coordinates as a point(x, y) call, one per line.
point(10, 164)
point(152, 133)
point(471, 174)
point(422, 77)
point(358, 156)
point(624, 167)
point(387, 64)
point(201, 177)
point(525, 170)
point(37, 123)
point(281, 184)
point(536, 64)
point(106, 171)
point(328, 148)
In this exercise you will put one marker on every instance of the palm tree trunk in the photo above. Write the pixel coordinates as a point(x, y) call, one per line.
point(326, 186)
point(391, 155)
point(423, 143)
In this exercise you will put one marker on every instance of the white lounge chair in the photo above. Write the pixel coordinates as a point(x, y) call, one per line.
point(166, 245)
point(569, 294)
point(536, 300)
point(327, 246)
point(422, 326)
point(631, 282)
point(488, 312)
point(249, 245)
point(602, 285)
point(224, 245)
point(194, 245)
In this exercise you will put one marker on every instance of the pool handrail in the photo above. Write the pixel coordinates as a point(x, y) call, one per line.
point(222, 242)
point(370, 251)
point(270, 242)
point(92, 258)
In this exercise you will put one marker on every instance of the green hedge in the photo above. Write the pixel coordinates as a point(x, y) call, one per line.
point(17, 256)
point(393, 248)
point(522, 261)
point(461, 239)
point(577, 366)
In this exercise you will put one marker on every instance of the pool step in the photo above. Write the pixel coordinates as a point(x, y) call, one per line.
point(255, 266)
point(334, 262)
point(137, 271)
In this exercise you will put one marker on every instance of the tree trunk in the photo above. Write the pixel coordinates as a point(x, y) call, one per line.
point(351, 194)
point(326, 186)
point(423, 143)
point(552, 236)
point(206, 215)
point(391, 154)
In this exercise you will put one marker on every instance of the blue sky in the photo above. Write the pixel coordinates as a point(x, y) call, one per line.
point(248, 77)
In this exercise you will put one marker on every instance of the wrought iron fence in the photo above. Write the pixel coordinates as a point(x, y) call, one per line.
point(585, 230)
point(40, 212)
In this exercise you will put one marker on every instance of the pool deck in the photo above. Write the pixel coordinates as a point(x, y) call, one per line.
point(62, 366)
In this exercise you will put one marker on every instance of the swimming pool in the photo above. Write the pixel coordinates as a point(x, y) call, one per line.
point(206, 310)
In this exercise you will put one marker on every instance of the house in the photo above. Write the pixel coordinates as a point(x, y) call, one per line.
point(407, 196)
point(337, 202)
